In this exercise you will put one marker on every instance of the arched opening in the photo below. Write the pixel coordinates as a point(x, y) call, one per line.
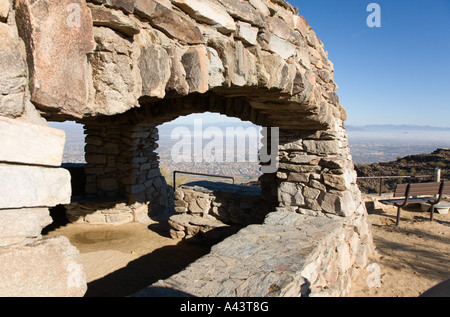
point(123, 161)
point(212, 162)
point(229, 147)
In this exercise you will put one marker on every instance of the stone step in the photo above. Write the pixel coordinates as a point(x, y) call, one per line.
point(186, 226)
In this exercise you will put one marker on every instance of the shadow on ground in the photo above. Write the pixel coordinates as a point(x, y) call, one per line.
point(150, 268)
point(146, 270)
point(416, 242)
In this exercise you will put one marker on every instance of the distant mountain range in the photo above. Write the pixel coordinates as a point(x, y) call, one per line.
point(73, 128)
point(393, 127)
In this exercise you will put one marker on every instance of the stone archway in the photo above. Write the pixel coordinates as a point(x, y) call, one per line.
point(123, 67)
point(315, 174)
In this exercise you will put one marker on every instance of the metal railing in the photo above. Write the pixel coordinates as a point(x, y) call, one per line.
point(199, 174)
point(436, 177)
point(381, 178)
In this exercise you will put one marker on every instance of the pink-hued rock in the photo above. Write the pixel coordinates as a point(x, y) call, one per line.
point(58, 36)
point(5, 6)
point(13, 73)
point(46, 268)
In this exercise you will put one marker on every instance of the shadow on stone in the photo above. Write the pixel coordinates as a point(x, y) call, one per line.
point(155, 291)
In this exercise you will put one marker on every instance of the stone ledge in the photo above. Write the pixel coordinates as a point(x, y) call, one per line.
point(32, 186)
point(30, 144)
point(107, 212)
point(219, 187)
point(289, 255)
point(22, 226)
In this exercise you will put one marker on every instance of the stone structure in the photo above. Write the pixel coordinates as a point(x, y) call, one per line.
point(213, 210)
point(31, 182)
point(288, 255)
point(121, 68)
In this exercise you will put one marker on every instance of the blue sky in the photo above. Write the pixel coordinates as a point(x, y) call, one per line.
point(398, 73)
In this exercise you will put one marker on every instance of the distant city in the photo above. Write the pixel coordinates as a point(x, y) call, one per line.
point(368, 144)
point(385, 143)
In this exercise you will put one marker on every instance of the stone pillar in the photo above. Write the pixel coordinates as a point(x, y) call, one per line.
point(122, 164)
point(316, 177)
point(316, 173)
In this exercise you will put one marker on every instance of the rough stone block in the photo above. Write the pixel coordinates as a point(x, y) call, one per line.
point(155, 70)
point(31, 186)
point(13, 72)
point(342, 203)
point(119, 219)
point(321, 146)
point(242, 10)
point(22, 226)
point(281, 29)
point(260, 6)
point(125, 5)
point(290, 194)
point(177, 82)
point(115, 75)
point(47, 268)
point(30, 144)
point(281, 47)
point(208, 12)
point(58, 36)
point(5, 6)
point(115, 20)
point(166, 20)
point(216, 69)
point(195, 64)
point(246, 32)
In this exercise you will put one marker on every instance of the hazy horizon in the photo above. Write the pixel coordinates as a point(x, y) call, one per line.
point(368, 143)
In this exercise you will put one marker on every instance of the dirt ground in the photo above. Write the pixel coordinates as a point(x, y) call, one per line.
point(121, 260)
point(412, 257)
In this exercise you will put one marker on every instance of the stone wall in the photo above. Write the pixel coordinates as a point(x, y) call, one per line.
point(316, 173)
point(121, 164)
point(289, 255)
point(31, 182)
point(213, 210)
point(315, 177)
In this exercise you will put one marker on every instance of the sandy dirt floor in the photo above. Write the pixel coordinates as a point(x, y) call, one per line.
point(412, 257)
point(121, 260)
